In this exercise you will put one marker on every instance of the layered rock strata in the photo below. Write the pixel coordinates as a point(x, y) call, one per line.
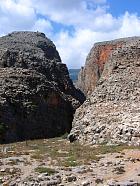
point(111, 114)
point(37, 97)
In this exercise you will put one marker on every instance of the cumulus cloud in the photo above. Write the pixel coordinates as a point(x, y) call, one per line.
point(74, 49)
point(78, 13)
point(89, 19)
point(20, 15)
point(15, 16)
point(43, 25)
point(129, 25)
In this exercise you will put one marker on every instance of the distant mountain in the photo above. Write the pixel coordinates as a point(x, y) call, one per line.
point(74, 74)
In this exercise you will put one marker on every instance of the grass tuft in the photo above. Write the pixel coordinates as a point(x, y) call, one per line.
point(61, 152)
point(47, 170)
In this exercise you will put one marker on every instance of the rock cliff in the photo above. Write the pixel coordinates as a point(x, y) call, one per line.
point(111, 114)
point(96, 59)
point(37, 97)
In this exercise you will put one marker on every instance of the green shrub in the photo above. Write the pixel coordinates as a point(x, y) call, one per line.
point(45, 170)
point(70, 162)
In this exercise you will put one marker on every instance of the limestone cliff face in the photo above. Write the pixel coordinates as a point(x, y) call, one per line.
point(37, 97)
point(111, 114)
point(96, 59)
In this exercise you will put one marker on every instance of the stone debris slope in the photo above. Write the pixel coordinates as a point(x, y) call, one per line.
point(37, 97)
point(112, 113)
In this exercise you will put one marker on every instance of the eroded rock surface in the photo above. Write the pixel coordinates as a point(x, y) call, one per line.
point(96, 59)
point(112, 113)
point(37, 97)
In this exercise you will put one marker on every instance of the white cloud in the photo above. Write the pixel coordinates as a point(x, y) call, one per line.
point(20, 15)
point(77, 13)
point(89, 18)
point(130, 25)
point(15, 16)
point(74, 49)
point(43, 25)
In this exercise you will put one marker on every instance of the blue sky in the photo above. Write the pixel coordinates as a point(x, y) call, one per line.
point(118, 7)
point(73, 25)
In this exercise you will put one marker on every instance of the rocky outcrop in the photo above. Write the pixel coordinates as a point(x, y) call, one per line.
point(96, 59)
point(37, 97)
point(112, 113)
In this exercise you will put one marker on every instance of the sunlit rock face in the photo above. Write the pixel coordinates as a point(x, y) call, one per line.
point(37, 97)
point(111, 113)
point(96, 59)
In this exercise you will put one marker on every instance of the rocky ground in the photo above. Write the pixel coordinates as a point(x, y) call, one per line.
point(58, 162)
